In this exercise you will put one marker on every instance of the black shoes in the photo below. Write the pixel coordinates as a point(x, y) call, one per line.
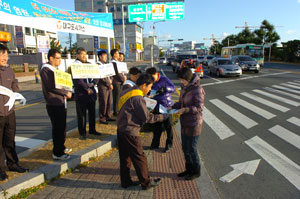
point(103, 122)
point(82, 137)
point(154, 183)
point(3, 176)
point(188, 170)
point(183, 174)
point(95, 133)
point(132, 184)
point(153, 147)
point(110, 120)
point(168, 148)
point(196, 172)
point(17, 168)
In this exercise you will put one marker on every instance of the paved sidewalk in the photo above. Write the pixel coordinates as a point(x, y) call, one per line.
point(100, 179)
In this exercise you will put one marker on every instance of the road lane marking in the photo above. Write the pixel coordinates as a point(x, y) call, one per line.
point(251, 107)
point(294, 120)
point(288, 71)
point(286, 167)
point(216, 125)
point(291, 86)
point(286, 135)
point(285, 100)
point(162, 71)
point(286, 89)
point(28, 142)
point(239, 117)
point(265, 102)
point(26, 106)
point(282, 92)
point(240, 79)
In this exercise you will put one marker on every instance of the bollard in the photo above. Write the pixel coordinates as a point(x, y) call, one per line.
point(36, 76)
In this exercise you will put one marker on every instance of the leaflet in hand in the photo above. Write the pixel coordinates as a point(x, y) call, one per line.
point(164, 110)
point(153, 93)
point(150, 103)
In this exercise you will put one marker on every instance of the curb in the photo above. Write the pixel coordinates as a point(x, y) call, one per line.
point(48, 172)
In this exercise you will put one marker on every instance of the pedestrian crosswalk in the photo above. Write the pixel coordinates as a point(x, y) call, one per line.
point(28, 142)
point(255, 107)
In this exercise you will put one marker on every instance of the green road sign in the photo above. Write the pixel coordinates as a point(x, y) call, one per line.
point(156, 12)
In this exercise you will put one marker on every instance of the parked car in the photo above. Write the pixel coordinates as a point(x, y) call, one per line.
point(176, 63)
point(201, 59)
point(169, 61)
point(224, 67)
point(207, 59)
point(246, 63)
point(194, 65)
point(163, 60)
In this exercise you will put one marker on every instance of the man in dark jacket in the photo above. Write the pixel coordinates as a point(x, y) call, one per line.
point(163, 87)
point(56, 105)
point(85, 97)
point(118, 80)
point(7, 119)
point(133, 114)
point(104, 93)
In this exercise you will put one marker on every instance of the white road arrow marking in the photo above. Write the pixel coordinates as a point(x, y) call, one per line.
point(248, 167)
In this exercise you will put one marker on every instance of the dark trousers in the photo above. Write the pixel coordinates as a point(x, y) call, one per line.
point(131, 152)
point(189, 148)
point(116, 96)
point(7, 140)
point(105, 102)
point(158, 128)
point(58, 117)
point(81, 109)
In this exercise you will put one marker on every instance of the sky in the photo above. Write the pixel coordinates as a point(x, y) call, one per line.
point(219, 17)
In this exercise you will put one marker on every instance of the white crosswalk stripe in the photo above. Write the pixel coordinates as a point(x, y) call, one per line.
point(251, 107)
point(286, 135)
point(291, 86)
point(286, 89)
point(216, 125)
point(285, 100)
point(28, 142)
point(239, 117)
point(265, 102)
point(294, 83)
point(289, 169)
point(283, 93)
point(294, 120)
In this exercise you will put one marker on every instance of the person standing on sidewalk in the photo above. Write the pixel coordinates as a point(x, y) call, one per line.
point(121, 57)
point(190, 106)
point(164, 87)
point(104, 93)
point(85, 98)
point(133, 113)
point(56, 105)
point(7, 119)
point(134, 74)
point(118, 80)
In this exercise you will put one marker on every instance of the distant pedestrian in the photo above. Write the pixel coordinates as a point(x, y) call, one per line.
point(85, 98)
point(133, 114)
point(118, 80)
point(56, 105)
point(190, 106)
point(163, 87)
point(134, 74)
point(7, 119)
point(105, 88)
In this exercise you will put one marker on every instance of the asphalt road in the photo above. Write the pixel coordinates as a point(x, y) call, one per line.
point(244, 121)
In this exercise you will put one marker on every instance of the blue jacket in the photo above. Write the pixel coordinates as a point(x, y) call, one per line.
point(164, 99)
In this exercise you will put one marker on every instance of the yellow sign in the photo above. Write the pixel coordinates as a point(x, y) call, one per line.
point(83, 71)
point(63, 80)
point(5, 36)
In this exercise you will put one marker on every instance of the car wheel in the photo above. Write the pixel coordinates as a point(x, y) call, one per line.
point(218, 73)
point(257, 71)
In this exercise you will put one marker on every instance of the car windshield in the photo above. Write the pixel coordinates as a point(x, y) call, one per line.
point(210, 57)
point(224, 62)
point(200, 57)
point(246, 59)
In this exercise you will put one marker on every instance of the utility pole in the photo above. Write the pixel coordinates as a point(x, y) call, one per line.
point(214, 39)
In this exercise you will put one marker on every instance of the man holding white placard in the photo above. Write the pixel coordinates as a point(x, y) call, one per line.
point(105, 88)
point(7, 118)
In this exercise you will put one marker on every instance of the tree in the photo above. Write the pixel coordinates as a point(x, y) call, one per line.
point(291, 51)
point(55, 44)
point(73, 49)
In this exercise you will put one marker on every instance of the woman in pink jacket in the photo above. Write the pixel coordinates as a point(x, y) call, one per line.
point(190, 106)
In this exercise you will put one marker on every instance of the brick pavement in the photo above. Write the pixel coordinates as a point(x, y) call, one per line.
point(100, 179)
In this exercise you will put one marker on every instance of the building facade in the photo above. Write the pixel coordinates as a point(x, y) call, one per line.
point(133, 31)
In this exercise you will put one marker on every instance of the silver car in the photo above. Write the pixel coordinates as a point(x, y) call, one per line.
point(247, 63)
point(224, 67)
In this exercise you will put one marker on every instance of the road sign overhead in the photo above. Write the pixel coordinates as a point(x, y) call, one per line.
point(156, 12)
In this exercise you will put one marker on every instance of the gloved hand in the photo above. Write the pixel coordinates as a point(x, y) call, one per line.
point(161, 90)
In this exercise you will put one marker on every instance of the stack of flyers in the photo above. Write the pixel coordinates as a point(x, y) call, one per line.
point(150, 103)
point(152, 93)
